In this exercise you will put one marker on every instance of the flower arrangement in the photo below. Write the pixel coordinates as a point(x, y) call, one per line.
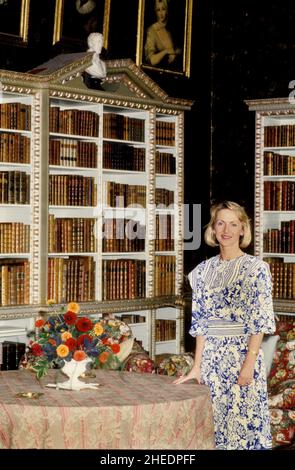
point(67, 336)
point(176, 365)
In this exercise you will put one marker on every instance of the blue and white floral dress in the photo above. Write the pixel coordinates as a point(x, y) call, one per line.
point(231, 301)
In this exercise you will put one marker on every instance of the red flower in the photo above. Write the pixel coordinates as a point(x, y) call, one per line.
point(70, 318)
point(71, 343)
point(81, 339)
point(115, 348)
point(37, 350)
point(84, 324)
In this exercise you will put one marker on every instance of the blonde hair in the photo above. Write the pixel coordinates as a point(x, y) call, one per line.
point(209, 234)
point(159, 3)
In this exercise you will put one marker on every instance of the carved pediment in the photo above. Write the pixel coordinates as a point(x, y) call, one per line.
point(124, 79)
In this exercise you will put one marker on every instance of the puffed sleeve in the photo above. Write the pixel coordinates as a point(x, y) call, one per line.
point(150, 46)
point(260, 315)
point(199, 325)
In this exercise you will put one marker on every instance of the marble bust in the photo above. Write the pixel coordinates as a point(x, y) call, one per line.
point(98, 67)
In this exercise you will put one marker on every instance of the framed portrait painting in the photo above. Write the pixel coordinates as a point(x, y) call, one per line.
point(14, 20)
point(164, 34)
point(74, 20)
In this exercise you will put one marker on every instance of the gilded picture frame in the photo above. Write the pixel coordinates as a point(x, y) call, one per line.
point(14, 21)
point(74, 20)
point(164, 33)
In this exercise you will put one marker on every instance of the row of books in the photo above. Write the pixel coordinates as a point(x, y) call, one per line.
point(73, 121)
point(280, 240)
point(73, 153)
point(14, 282)
point(279, 164)
point(119, 156)
point(279, 136)
point(131, 318)
point(283, 278)
point(165, 163)
point(14, 187)
point(71, 278)
point(14, 148)
point(14, 237)
point(165, 133)
point(76, 235)
point(116, 155)
point(72, 190)
point(164, 197)
point(165, 330)
point(164, 282)
point(123, 279)
point(124, 195)
point(11, 354)
point(118, 126)
point(71, 235)
point(279, 195)
point(123, 235)
point(15, 116)
point(164, 232)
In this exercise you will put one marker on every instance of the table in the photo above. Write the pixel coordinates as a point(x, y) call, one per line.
point(128, 411)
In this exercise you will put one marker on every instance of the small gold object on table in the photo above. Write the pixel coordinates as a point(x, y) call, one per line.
point(29, 395)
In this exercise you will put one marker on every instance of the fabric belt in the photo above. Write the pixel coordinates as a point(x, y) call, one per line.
point(225, 329)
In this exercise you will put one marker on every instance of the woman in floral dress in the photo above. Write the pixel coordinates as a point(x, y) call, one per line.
point(231, 310)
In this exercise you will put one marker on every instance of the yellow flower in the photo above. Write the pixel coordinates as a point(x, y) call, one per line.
point(50, 302)
point(73, 307)
point(66, 335)
point(62, 350)
point(98, 329)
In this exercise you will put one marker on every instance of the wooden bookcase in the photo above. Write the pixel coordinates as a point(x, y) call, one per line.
point(274, 221)
point(92, 184)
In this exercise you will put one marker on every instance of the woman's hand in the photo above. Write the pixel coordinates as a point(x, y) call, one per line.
point(246, 374)
point(195, 373)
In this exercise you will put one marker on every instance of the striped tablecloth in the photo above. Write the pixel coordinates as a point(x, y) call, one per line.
point(128, 411)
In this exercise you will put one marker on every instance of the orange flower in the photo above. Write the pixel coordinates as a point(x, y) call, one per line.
point(62, 350)
point(104, 357)
point(52, 341)
point(79, 355)
point(39, 323)
point(73, 307)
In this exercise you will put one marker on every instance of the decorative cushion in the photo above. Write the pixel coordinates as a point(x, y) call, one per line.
point(282, 424)
point(284, 396)
point(268, 347)
point(282, 368)
point(176, 364)
point(281, 386)
point(139, 362)
point(283, 364)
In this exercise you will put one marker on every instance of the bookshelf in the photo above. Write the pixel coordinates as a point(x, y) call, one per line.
point(274, 221)
point(98, 218)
